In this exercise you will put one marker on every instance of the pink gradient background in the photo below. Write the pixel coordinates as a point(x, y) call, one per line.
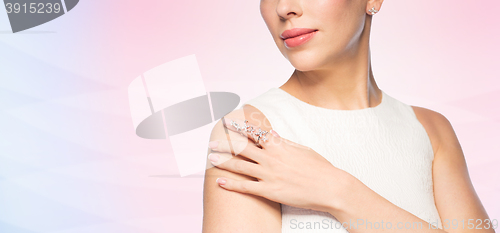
point(71, 161)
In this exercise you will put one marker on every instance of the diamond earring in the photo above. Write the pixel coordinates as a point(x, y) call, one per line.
point(373, 11)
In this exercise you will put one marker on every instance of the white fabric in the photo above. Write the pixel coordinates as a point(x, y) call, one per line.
point(385, 147)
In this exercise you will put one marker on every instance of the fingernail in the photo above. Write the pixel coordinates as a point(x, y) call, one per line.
point(213, 144)
point(275, 133)
point(221, 181)
point(213, 157)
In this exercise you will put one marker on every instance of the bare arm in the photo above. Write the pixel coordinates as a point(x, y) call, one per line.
point(454, 193)
point(226, 211)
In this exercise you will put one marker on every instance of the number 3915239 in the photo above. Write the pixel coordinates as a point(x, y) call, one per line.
point(33, 8)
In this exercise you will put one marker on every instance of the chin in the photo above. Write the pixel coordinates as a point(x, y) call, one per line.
point(304, 62)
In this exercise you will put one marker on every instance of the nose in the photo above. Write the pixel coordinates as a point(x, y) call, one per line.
point(287, 9)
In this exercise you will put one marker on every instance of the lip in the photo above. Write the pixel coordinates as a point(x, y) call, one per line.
point(297, 36)
point(296, 32)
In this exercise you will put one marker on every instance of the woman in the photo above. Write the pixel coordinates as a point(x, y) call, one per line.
point(348, 157)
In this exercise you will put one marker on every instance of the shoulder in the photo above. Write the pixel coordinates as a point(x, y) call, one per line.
point(454, 194)
point(438, 127)
point(220, 214)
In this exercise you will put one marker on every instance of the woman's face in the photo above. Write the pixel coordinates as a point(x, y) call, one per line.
point(339, 25)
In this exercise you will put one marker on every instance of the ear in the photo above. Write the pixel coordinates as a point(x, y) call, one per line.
point(377, 4)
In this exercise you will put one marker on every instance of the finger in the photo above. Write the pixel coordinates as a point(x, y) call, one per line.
point(243, 127)
point(243, 148)
point(240, 166)
point(236, 136)
point(242, 186)
point(288, 142)
point(249, 130)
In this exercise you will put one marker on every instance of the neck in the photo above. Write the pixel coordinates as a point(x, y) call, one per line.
point(345, 82)
point(345, 85)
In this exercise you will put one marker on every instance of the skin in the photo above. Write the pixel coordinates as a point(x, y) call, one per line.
point(333, 70)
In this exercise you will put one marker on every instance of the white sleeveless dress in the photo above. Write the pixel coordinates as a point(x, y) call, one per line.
point(385, 147)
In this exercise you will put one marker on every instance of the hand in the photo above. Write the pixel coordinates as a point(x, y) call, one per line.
point(286, 172)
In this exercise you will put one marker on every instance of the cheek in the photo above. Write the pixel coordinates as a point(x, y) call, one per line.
point(265, 13)
point(267, 9)
point(270, 17)
point(330, 10)
point(340, 19)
